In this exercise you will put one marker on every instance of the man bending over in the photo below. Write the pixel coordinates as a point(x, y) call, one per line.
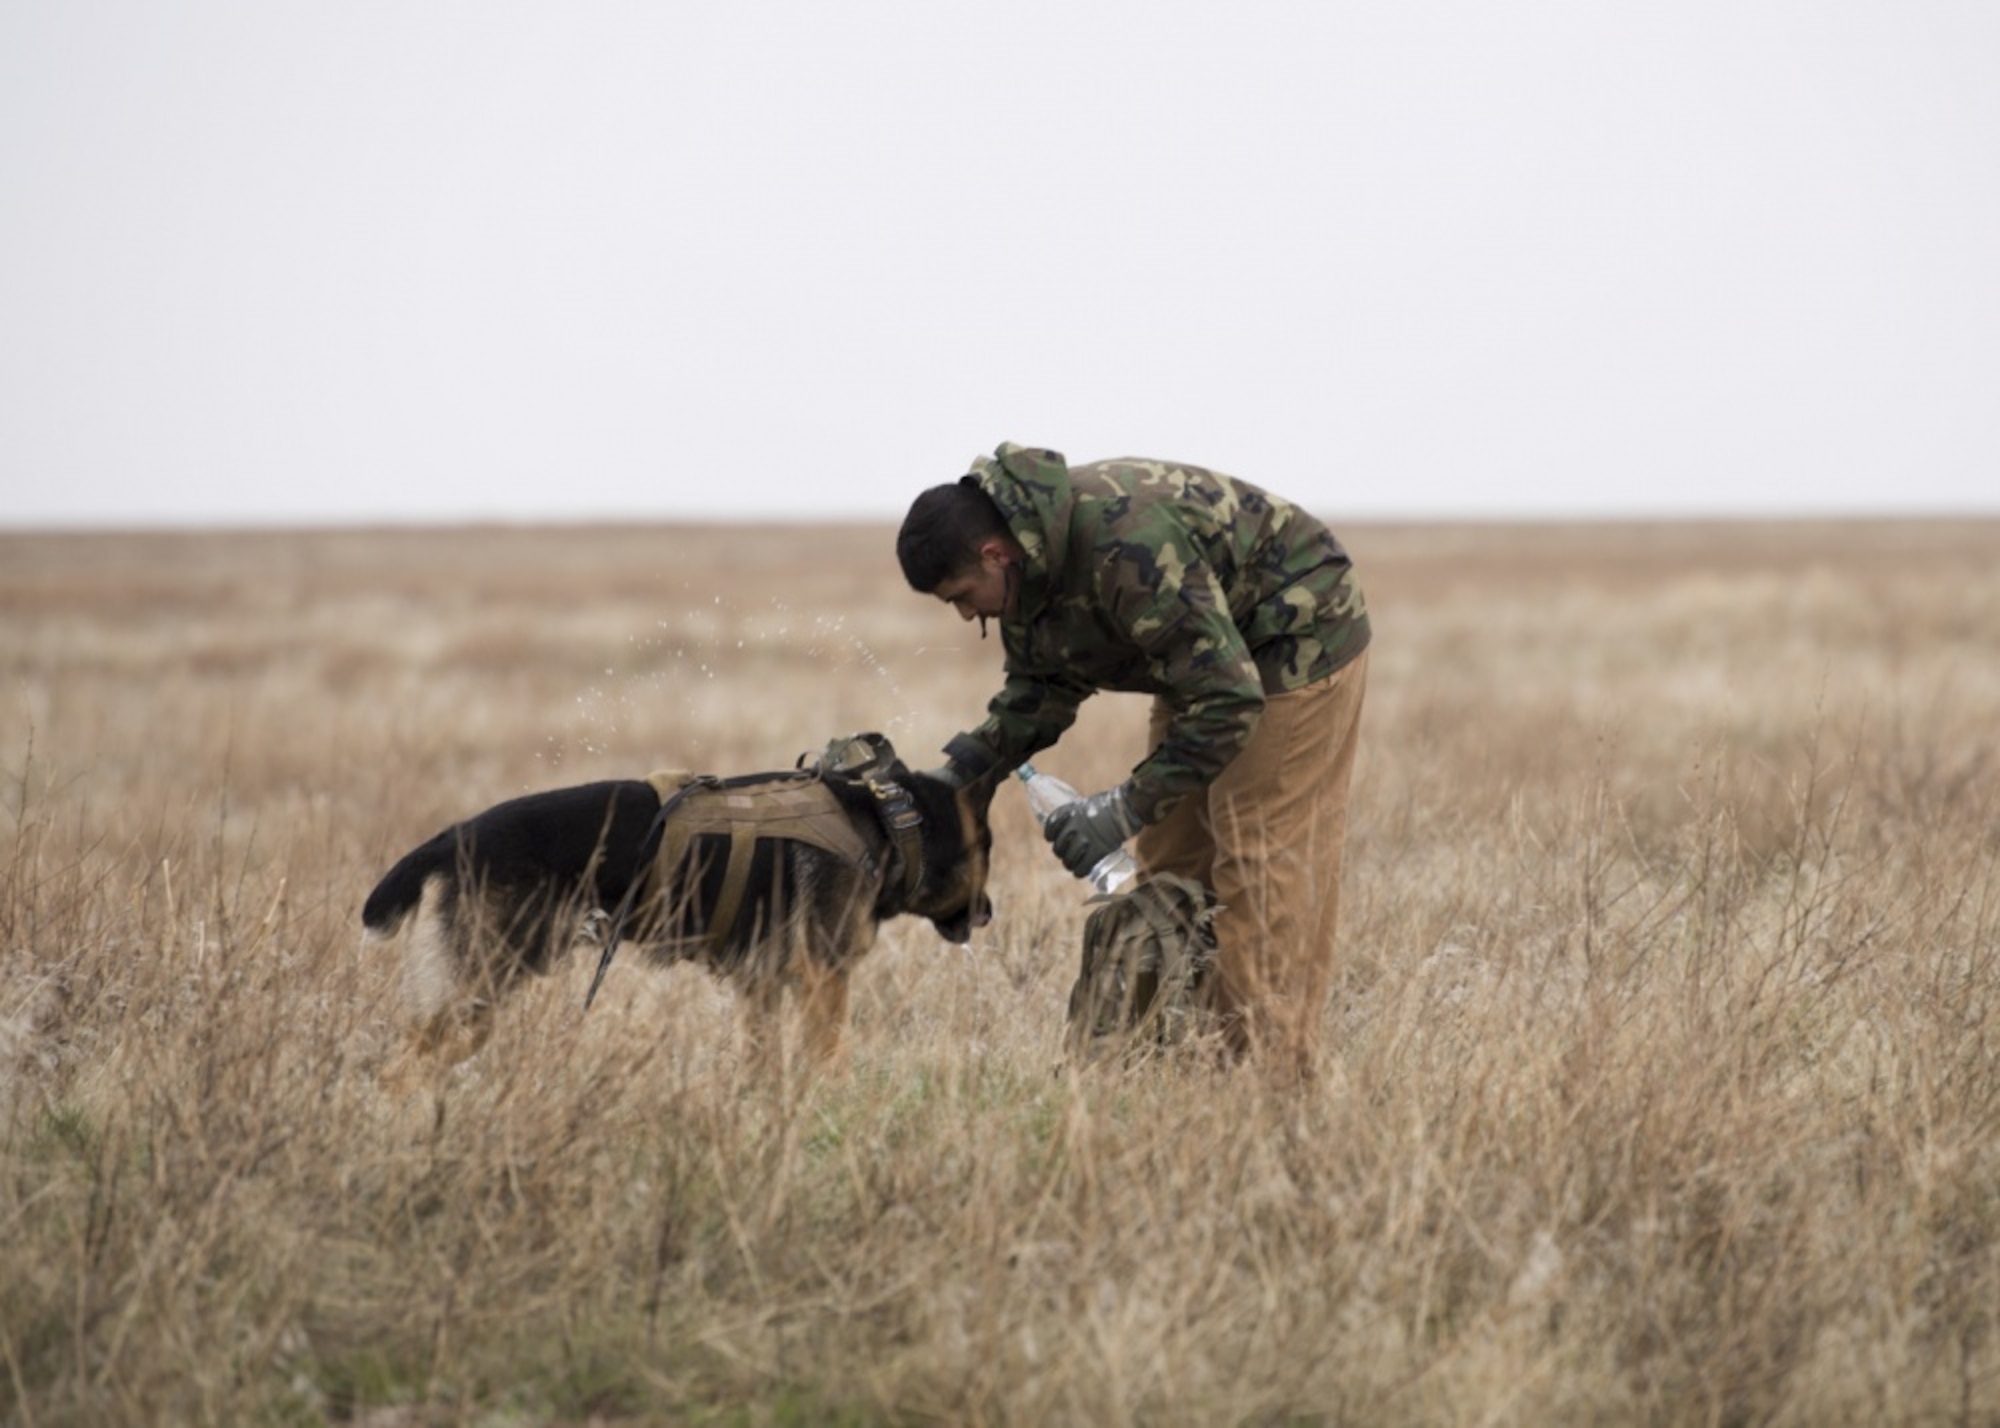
point(1242, 616)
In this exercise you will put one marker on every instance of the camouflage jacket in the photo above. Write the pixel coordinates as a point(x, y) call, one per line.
point(1166, 580)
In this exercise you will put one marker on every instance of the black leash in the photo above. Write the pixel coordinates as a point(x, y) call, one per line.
point(649, 848)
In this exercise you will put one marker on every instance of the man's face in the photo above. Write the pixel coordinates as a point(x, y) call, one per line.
point(982, 588)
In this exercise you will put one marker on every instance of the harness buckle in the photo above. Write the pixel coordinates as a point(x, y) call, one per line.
point(899, 810)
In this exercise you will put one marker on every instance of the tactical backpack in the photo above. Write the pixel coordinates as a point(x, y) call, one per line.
point(1146, 953)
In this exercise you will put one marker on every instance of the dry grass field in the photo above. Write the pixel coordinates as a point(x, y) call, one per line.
point(1662, 1084)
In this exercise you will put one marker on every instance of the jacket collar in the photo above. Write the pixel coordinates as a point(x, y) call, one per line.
point(1032, 488)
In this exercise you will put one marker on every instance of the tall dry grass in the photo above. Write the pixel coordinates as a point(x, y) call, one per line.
point(1662, 1083)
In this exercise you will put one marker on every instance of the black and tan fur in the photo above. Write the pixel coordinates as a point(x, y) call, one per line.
point(510, 892)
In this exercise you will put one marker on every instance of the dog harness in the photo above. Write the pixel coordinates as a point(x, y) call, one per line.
point(794, 807)
point(788, 807)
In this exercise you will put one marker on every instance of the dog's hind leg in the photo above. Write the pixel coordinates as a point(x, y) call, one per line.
point(439, 1043)
point(448, 990)
point(457, 1034)
point(430, 991)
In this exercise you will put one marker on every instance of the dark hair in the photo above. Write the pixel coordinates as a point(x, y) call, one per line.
point(942, 533)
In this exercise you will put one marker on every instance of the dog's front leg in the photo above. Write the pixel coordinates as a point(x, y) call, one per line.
point(763, 1025)
point(823, 1014)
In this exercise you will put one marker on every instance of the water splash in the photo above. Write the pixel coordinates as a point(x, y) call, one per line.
point(703, 669)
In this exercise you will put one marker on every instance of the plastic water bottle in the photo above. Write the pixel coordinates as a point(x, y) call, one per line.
point(1047, 793)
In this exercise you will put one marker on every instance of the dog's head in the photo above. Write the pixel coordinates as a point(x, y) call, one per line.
point(958, 849)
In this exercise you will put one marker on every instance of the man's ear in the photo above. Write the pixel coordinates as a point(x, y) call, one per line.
point(999, 552)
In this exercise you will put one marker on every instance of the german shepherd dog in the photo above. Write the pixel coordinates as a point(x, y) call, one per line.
point(511, 891)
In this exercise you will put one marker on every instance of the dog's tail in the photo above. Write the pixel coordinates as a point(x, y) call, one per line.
point(399, 892)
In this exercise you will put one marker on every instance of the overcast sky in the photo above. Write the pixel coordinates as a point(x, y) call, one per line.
point(270, 262)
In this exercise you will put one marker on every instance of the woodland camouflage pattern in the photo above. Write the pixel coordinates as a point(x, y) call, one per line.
point(1161, 579)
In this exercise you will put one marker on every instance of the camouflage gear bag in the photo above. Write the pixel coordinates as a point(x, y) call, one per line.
point(1146, 952)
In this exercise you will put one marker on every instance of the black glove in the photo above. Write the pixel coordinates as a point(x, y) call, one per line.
point(1085, 831)
point(966, 760)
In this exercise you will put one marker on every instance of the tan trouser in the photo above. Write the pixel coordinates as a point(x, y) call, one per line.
point(1267, 837)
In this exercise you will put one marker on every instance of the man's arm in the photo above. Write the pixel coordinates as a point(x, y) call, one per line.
point(1211, 684)
point(1205, 674)
point(1028, 715)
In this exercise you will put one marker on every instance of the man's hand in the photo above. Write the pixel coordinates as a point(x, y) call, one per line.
point(966, 761)
point(1085, 831)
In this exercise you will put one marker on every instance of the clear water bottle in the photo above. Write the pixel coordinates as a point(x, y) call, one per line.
point(1046, 793)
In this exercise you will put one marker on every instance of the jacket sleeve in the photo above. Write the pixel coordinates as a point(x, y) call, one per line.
point(1207, 677)
point(1030, 712)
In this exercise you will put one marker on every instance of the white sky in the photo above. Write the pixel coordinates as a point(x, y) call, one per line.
point(400, 260)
